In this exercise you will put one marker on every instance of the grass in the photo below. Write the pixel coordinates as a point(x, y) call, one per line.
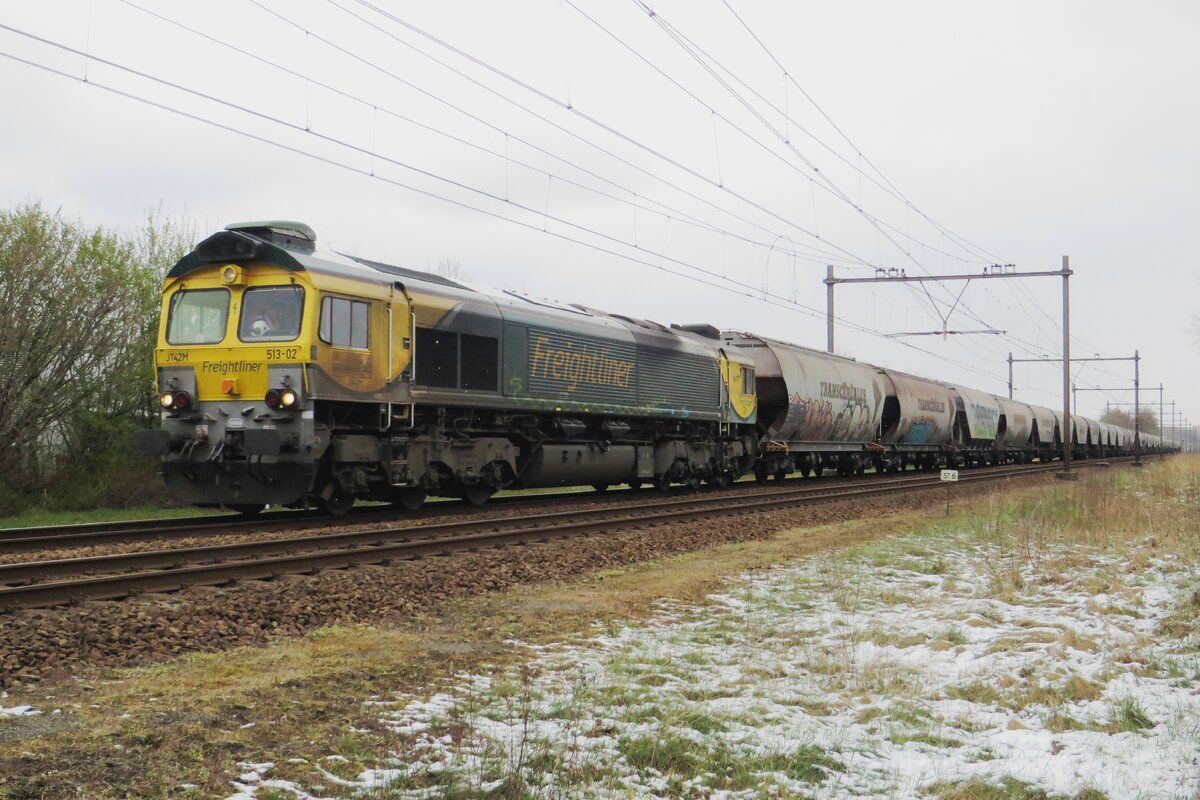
point(306, 693)
point(33, 519)
point(1126, 715)
point(1006, 788)
point(724, 766)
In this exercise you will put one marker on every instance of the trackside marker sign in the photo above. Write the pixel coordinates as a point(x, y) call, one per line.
point(949, 474)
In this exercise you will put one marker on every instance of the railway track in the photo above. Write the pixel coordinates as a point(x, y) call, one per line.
point(21, 540)
point(45, 583)
point(65, 537)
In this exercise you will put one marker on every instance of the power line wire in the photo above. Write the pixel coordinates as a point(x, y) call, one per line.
point(749, 291)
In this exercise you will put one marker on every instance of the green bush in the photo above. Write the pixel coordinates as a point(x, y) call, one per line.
point(78, 321)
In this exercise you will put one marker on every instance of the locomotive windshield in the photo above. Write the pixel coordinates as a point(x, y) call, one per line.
point(198, 316)
point(271, 314)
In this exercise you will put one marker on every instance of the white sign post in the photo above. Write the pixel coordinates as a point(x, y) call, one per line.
point(949, 476)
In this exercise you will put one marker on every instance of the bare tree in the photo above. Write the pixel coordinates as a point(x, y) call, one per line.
point(450, 267)
point(78, 313)
point(1147, 419)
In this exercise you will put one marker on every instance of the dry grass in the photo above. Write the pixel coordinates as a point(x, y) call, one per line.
point(145, 732)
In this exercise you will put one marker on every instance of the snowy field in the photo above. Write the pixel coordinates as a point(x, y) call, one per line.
point(956, 665)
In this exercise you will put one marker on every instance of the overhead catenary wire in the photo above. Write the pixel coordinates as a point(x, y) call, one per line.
point(842, 252)
point(729, 286)
point(816, 174)
point(789, 78)
point(826, 181)
point(327, 41)
point(559, 103)
point(817, 255)
point(960, 240)
point(680, 38)
point(791, 122)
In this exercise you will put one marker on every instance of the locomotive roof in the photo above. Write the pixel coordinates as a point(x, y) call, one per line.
point(292, 246)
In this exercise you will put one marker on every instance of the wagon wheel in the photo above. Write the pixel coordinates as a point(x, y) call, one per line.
point(337, 503)
point(761, 474)
point(635, 484)
point(248, 509)
point(721, 480)
point(600, 487)
point(477, 494)
point(410, 499)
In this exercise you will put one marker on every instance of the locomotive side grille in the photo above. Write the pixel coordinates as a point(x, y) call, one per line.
point(669, 379)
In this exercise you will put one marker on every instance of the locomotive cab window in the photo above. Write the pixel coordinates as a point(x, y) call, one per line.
point(198, 316)
point(747, 380)
point(271, 314)
point(344, 322)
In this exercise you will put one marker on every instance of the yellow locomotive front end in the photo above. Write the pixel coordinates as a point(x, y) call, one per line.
point(249, 339)
point(233, 350)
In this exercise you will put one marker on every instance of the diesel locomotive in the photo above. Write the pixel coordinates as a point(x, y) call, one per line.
point(292, 376)
point(288, 376)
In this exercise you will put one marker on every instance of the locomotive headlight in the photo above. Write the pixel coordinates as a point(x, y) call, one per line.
point(175, 401)
point(282, 398)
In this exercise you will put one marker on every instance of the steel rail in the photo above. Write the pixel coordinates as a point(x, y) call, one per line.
point(21, 572)
point(32, 539)
point(271, 559)
point(21, 540)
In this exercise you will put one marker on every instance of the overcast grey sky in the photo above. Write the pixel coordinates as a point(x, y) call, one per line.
point(663, 164)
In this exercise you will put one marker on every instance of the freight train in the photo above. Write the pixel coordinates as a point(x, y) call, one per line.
point(296, 377)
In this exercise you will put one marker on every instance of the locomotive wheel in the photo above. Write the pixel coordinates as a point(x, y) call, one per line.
point(338, 503)
point(249, 509)
point(760, 474)
point(410, 499)
point(806, 471)
point(693, 483)
point(662, 484)
point(781, 475)
point(477, 494)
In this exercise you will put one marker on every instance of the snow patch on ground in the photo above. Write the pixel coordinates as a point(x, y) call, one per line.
point(19, 711)
point(877, 672)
